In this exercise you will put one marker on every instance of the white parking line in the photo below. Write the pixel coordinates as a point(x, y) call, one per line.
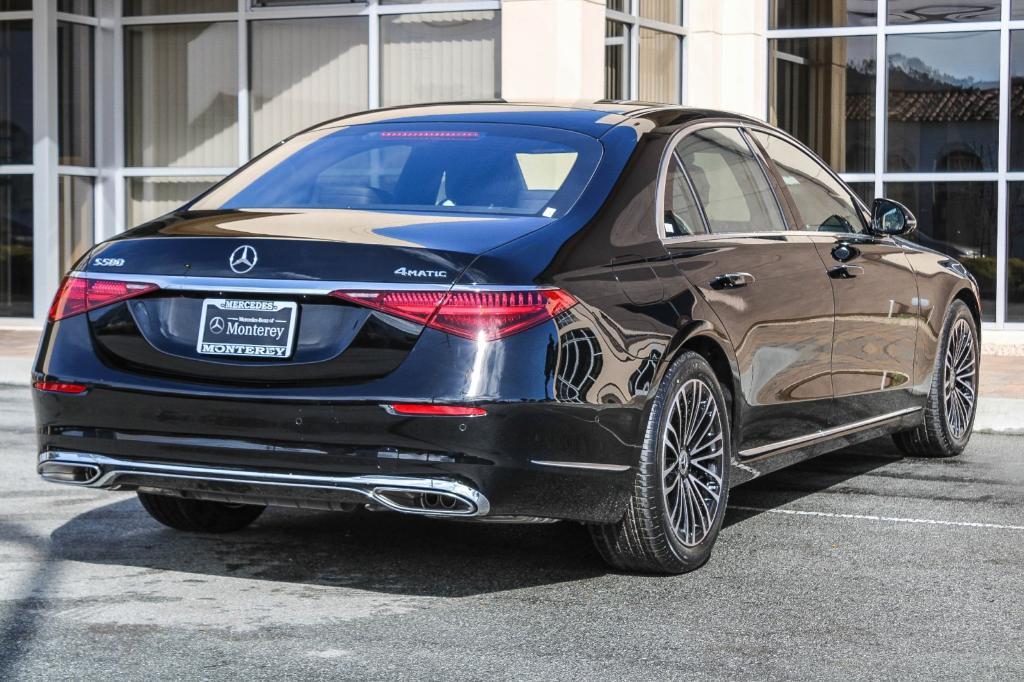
point(868, 517)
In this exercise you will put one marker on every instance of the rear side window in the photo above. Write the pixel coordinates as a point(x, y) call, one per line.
point(682, 215)
point(730, 183)
point(823, 202)
point(418, 167)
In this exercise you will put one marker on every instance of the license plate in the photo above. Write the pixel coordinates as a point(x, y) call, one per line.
point(251, 329)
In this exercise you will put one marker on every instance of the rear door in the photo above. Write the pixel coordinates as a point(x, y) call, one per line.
point(766, 284)
point(874, 287)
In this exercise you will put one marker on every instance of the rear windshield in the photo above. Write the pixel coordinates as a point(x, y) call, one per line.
point(438, 167)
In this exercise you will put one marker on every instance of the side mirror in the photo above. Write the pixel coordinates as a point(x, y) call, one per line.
point(891, 218)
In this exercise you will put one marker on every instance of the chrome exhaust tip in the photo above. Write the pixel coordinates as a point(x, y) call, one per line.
point(68, 472)
point(439, 503)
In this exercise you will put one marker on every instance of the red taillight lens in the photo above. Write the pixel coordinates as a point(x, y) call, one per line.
point(485, 315)
point(80, 294)
point(429, 410)
point(60, 387)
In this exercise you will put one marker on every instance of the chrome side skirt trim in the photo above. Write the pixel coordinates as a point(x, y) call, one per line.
point(582, 465)
point(105, 472)
point(295, 287)
point(811, 438)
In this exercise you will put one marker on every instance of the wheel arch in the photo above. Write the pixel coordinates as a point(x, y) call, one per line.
point(969, 298)
point(703, 338)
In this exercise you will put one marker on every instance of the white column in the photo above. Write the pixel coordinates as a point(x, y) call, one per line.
point(45, 237)
point(726, 55)
point(552, 50)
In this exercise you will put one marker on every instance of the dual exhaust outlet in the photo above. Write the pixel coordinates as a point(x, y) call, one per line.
point(409, 495)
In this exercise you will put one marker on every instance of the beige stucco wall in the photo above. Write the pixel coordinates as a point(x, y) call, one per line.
point(725, 55)
point(554, 50)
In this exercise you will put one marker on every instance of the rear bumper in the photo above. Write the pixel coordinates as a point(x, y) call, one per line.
point(424, 496)
point(536, 458)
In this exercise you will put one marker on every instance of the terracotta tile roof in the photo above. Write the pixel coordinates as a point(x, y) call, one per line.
point(936, 106)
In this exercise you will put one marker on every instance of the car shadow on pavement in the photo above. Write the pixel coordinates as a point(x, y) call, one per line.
point(812, 476)
point(396, 554)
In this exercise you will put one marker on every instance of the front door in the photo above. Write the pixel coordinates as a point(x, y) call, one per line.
point(766, 285)
point(873, 284)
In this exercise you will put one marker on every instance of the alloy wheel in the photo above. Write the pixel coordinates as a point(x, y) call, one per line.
point(692, 462)
point(959, 385)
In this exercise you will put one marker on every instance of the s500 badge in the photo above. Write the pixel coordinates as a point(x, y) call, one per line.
point(108, 262)
point(409, 272)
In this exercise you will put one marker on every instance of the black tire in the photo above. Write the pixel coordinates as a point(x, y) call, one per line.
point(937, 435)
point(647, 539)
point(199, 516)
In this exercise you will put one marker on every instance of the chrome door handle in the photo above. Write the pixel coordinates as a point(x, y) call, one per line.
point(732, 280)
point(845, 271)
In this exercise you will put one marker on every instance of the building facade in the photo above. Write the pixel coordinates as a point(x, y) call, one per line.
point(113, 112)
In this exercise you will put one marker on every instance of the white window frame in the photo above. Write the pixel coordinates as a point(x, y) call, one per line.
point(632, 23)
point(879, 176)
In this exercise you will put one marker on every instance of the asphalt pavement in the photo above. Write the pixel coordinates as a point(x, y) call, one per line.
point(857, 565)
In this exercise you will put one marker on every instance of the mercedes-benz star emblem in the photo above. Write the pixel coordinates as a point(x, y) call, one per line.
point(243, 259)
point(217, 325)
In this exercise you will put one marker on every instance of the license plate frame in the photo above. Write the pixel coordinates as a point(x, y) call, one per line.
point(241, 328)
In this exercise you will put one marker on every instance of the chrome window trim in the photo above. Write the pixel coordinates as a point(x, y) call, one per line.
point(296, 287)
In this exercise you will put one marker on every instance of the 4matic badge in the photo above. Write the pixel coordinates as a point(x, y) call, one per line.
point(409, 272)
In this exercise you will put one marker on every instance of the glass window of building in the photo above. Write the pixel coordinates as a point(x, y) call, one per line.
point(150, 198)
point(822, 13)
point(943, 102)
point(650, 32)
point(181, 94)
point(923, 11)
point(1016, 156)
point(304, 71)
point(15, 92)
point(139, 8)
point(668, 11)
point(83, 7)
point(659, 66)
point(75, 210)
point(958, 218)
point(16, 239)
point(1015, 250)
point(616, 60)
point(436, 57)
point(75, 94)
point(823, 93)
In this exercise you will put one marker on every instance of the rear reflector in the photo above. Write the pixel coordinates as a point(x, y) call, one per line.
point(482, 315)
point(80, 294)
point(60, 387)
point(428, 410)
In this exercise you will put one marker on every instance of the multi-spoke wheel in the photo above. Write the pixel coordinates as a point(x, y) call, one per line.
point(953, 398)
point(679, 496)
point(959, 371)
point(692, 461)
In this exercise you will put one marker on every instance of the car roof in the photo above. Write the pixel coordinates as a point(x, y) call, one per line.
point(590, 118)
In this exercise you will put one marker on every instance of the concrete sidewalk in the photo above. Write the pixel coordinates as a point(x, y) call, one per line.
point(1001, 409)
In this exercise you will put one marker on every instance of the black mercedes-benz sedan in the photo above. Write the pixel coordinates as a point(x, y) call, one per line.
point(607, 313)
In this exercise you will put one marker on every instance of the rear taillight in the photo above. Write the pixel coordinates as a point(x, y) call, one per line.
point(485, 315)
point(81, 294)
